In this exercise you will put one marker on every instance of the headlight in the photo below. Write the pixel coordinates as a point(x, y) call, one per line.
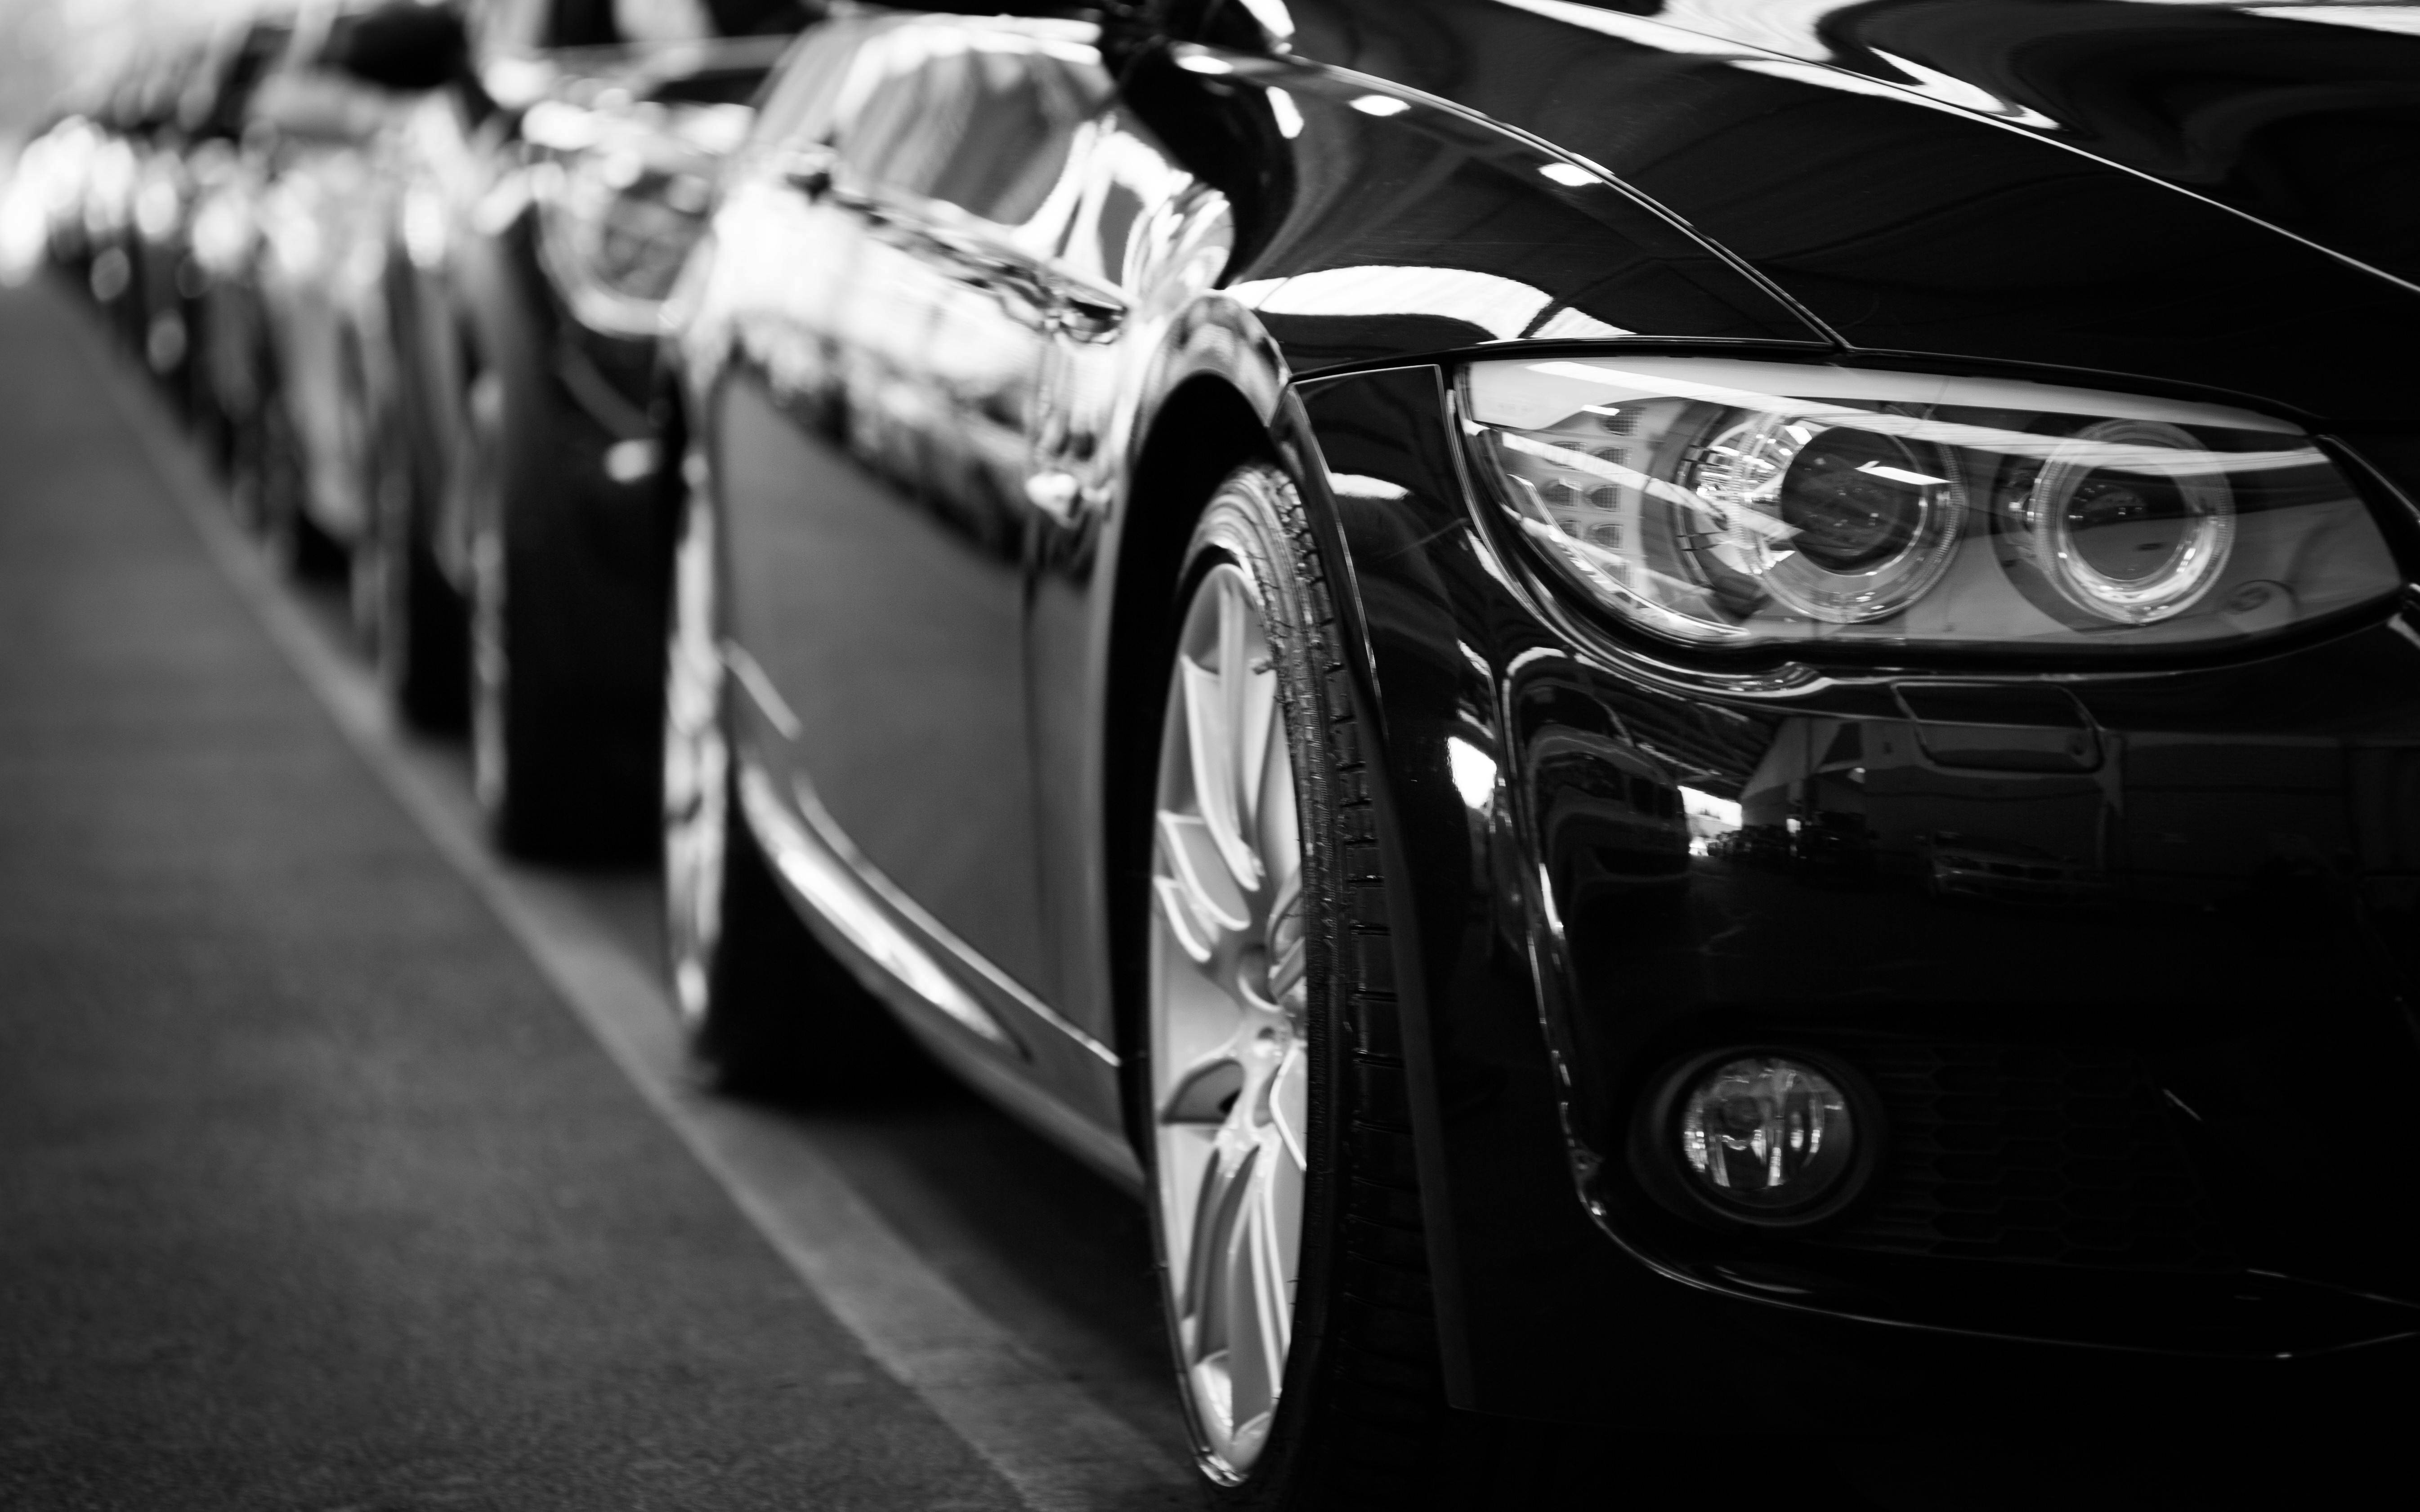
point(1717, 501)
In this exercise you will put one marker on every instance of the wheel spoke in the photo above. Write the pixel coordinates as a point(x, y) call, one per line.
point(1185, 924)
point(1208, 718)
point(1259, 1296)
point(1289, 1097)
point(1206, 1092)
point(1250, 681)
point(1221, 1204)
point(1197, 866)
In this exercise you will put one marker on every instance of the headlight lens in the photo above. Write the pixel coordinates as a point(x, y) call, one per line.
point(1724, 502)
point(2126, 546)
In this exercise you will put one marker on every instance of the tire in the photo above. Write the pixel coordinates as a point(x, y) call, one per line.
point(418, 628)
point(1291, 1130)
point(247, 471)
point(564, 679)
point(296, 545)
point(768, 1010)
point(213, 429)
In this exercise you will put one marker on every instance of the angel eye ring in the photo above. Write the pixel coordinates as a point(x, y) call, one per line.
point(2099, 535)
point(1837, 523)
point(1716, 501)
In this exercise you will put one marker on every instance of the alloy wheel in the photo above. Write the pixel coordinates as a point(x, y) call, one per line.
point(697, 768)
point(490, 660)
point(1229, 1059)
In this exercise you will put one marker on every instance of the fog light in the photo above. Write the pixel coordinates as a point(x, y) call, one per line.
point(1766, 1138)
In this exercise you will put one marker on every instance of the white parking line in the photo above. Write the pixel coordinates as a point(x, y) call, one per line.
point(1059, 1449)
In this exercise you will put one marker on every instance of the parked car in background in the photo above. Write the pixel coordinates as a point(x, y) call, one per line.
point(550, 196)
point(207, 317)
point(133, 106)
point(41, 216)
point(321, 141)
point(1217, 542)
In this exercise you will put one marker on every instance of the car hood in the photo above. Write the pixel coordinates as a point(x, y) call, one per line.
point(2303, 116)
point(2218, 195)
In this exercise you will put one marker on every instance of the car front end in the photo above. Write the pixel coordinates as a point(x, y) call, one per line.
point(2047, 785)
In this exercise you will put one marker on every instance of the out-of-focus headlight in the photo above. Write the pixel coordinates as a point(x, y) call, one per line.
point(1725, 502)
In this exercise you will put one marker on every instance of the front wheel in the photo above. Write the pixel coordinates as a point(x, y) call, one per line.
point(295, 543)
point(1285, 1201)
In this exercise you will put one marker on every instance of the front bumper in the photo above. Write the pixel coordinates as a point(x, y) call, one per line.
point(2120, 960)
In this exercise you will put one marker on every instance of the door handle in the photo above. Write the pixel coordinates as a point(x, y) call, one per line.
point(981, 273)
point(1085, 315)
point(809, 173)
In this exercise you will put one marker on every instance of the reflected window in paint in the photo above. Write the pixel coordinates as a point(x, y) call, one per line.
point(1503, 307)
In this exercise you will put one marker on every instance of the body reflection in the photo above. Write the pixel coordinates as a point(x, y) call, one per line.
point(872, 438)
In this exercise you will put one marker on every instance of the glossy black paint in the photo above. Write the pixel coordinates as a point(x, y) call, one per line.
point(2190, 995)
point(494, 273)
point(489, 273)
point(872, 432)
point(2124, 954)
point(1504, 254)
point(1903, 225)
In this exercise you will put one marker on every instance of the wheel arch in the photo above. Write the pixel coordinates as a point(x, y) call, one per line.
point(1202, 430)
point(1208, 424)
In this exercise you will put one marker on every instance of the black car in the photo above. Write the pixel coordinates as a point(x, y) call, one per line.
point(216, 371)
point(1415, 627)
point(553, 179)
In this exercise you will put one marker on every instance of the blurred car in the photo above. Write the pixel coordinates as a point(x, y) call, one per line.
point(319, 194)
point(152, 310)
point(551, 198)
point(42, 214)
point(198, 239)
point(134, 107)
point(1170, 499)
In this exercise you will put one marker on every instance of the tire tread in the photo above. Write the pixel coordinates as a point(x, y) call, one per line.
point(1384, 1405)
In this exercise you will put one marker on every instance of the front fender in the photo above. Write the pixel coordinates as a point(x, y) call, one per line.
point(1540, 1316)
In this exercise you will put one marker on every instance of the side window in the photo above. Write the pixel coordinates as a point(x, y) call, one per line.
point(521, 25)
point(983, 120)
point(662, 20)
point(804, 106)
point(911, 109)
point(688, 21)
point(1024, 118)
point(509, 26)
point(581, 23)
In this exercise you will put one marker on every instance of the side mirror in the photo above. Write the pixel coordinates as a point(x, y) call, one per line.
point(410, 46)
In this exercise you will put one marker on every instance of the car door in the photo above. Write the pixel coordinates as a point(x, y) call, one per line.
point(869, 440)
